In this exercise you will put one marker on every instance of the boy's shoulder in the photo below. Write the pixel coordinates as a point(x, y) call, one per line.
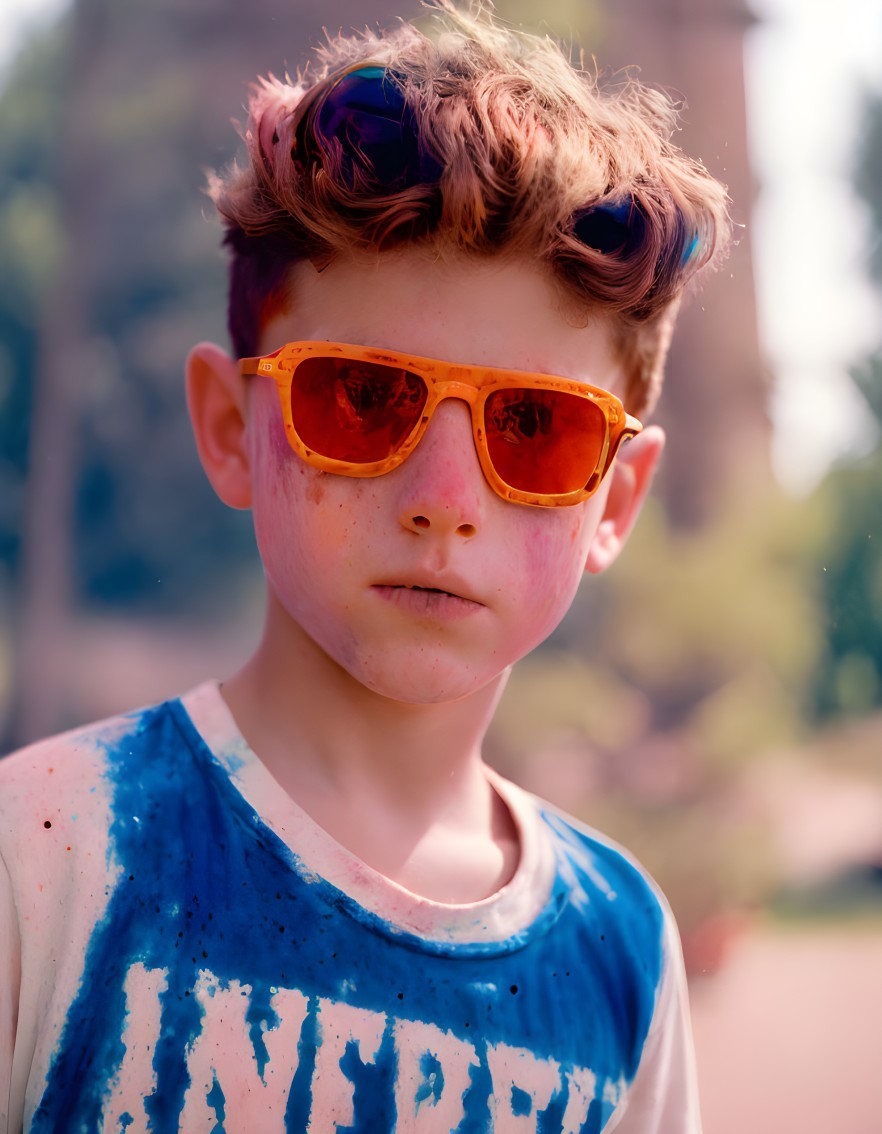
point(50, 772)
point(588, 859)
point(605, 886)
point(41, 780)
point(57, 804)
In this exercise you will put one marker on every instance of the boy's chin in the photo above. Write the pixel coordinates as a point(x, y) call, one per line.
point(430, 684)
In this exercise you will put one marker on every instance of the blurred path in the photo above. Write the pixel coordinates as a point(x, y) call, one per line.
point(789, 1034)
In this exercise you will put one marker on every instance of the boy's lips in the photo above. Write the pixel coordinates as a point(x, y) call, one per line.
point(446, 596)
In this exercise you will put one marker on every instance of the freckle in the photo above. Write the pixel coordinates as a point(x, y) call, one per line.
point(68, 848)
point(47, 823)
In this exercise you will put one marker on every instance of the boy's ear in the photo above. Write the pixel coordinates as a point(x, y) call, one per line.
point(630, 479)
point(217, 401)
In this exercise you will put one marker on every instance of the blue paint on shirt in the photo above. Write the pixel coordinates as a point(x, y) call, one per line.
point(216, 1099)
point(205, 885)
point(433, 1078)
point(521, 1103)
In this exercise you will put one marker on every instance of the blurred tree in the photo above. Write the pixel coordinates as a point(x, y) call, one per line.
point(849, 680)
point(32, 247)
point(59, 372)
point(30, 238)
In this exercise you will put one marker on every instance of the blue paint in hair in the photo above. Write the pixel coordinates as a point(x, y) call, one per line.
point(689, 250)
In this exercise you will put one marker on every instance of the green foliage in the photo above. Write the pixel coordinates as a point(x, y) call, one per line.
point(849, 679)
point(30, 238)
point(868, 378)
point(716, 621)
point(122, 197)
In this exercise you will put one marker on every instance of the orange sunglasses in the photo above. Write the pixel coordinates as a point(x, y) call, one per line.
point(361, 411)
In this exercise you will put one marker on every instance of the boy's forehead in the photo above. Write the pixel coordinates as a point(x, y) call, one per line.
point(497, 311)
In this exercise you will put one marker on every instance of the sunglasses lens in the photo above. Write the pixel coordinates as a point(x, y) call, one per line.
point(544, 441)
point(355, 411)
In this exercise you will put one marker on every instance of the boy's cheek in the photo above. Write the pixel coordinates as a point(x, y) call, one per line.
point(298, 520)
point(555, 548)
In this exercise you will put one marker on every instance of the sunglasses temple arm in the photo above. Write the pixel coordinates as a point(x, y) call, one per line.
point(630, 430)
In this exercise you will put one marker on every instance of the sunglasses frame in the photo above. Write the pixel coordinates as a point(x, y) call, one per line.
point(472, 384)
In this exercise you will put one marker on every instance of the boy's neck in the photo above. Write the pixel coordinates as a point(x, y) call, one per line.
point(401, 786)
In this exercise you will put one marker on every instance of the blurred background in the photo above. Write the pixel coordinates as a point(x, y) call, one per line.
point(715, 702)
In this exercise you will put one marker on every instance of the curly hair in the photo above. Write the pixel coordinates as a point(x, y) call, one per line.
point(473, 138)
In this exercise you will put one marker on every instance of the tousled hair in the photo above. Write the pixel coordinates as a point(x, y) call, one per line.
point(520, 154)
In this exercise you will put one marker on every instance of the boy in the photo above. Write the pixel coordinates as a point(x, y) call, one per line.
point(300, 900)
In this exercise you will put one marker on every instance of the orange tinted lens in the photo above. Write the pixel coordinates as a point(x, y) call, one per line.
point(544, 441)
point(355, 411)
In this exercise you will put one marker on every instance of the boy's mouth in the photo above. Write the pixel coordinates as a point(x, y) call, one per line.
point(429, 600)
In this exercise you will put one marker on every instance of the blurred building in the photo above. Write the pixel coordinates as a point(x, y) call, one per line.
point(715, 404)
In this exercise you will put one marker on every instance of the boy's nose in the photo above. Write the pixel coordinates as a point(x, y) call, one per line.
point(442, 487)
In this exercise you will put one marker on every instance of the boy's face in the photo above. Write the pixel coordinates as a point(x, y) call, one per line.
point(423, 584)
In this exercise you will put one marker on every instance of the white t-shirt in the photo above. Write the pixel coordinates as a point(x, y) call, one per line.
point(182, 948)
